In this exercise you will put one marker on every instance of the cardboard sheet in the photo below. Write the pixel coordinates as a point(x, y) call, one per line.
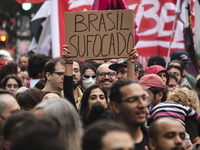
point(99, 34)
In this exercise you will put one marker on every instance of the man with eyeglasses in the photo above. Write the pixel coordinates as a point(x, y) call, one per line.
point(105, 76)
point(8, 106)
point(129, 101)
point(54, 74)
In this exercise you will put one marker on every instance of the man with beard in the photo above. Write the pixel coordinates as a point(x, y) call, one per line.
point(105, 76)
point(167, 134)
point(54, 74)
point(77, 92)
point(129, 101)
point(72, 77)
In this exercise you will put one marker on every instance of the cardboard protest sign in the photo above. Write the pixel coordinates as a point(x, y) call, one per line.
point(99, 34)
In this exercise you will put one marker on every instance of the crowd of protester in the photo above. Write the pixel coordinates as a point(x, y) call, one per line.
point(64, 104)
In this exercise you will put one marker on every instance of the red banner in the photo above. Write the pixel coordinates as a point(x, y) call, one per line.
point(154, 19)
point(70, 5)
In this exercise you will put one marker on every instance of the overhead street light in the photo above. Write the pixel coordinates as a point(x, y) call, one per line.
point(26, 6)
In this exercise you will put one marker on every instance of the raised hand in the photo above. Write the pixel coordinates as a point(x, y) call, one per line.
point(66, 55)
point(133, 55)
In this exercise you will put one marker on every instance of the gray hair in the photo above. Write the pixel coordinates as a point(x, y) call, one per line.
point(63, 113)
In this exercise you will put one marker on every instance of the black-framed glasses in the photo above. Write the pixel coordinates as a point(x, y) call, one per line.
point(136, 99)
point(103, 74)
point(87, 76)
point(60, 74)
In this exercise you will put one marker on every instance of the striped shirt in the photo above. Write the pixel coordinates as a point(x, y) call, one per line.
point(172, 109)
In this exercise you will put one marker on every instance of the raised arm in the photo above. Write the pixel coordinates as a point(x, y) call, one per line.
point(68, 77)
point(130, 63)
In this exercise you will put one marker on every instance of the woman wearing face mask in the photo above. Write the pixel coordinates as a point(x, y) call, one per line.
point(88, 75)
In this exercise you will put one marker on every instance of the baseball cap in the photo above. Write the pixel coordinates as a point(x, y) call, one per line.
point(138, 66)
point(116, 66)
point(180, 55)
point(152, 80)
point(155, 69)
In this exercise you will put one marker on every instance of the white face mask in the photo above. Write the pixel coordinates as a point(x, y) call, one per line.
point(88, 82)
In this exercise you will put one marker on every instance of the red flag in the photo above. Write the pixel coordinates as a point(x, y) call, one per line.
point(80, 5)
point(154, 20)
point(30, 1)
point(67, 5)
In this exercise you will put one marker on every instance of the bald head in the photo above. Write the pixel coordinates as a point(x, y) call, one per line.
point(105, 76)
point(8, 105)
point(167, 133)
point(103, 67)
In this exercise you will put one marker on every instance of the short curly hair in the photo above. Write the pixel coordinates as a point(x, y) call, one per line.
point(185, 96)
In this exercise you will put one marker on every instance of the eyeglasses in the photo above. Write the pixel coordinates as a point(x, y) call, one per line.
point(60, 74)
point(15, 86)
point(134, 99)
point(103, 74)
point(86, 76)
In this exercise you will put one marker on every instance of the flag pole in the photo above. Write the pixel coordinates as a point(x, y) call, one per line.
point(55, 31)
point(42, 34)
point(170, 42)
point(177, 11)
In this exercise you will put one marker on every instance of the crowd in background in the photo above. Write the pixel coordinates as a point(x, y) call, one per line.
point(108, 104)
